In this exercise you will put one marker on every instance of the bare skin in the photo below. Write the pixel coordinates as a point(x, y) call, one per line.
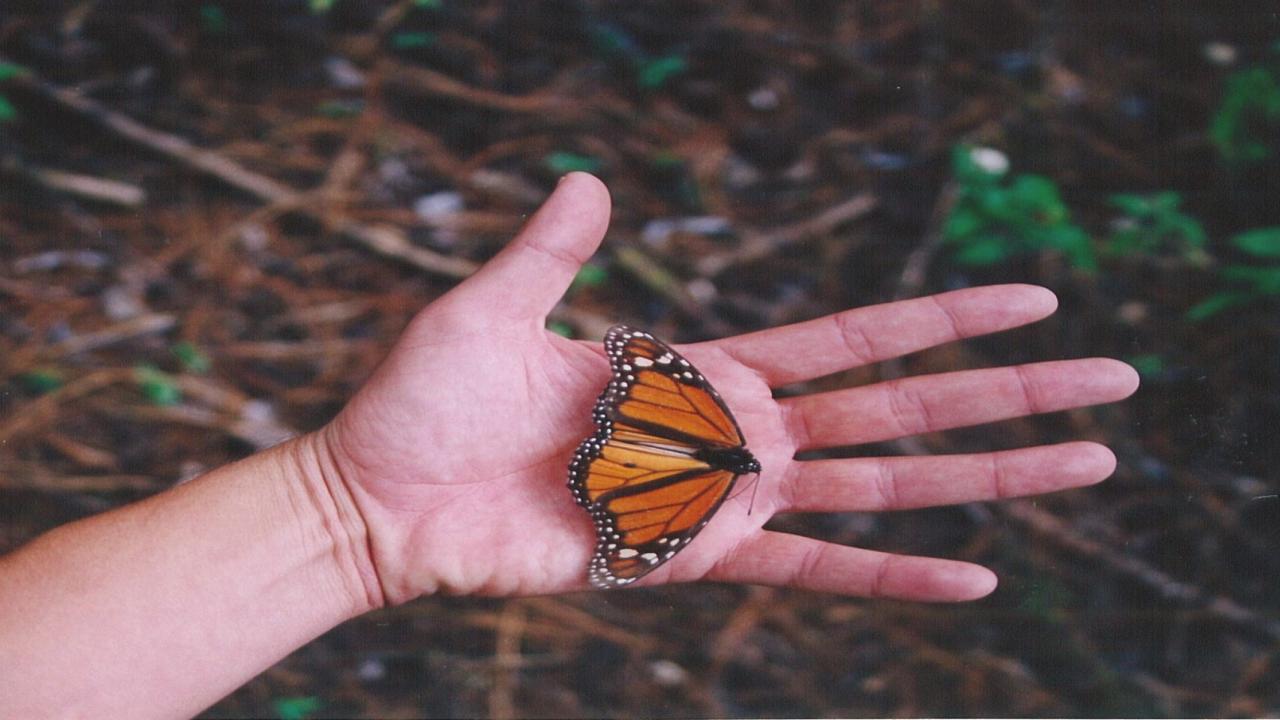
point(446, 472)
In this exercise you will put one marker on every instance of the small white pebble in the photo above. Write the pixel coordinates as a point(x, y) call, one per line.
point(990, 160)
point(438, 206)
point(343, 74)
point(1220, 53)
point(667, 673)
point(371, 669)
point(763, 98)
point(702, 290)
point(254, 237)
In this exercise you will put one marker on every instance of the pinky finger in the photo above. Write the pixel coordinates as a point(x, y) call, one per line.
point(784, 560)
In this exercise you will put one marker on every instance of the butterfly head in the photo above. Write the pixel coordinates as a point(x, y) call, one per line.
point(737, 460)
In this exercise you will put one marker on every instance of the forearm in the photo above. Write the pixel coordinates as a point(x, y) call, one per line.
point(160, 608)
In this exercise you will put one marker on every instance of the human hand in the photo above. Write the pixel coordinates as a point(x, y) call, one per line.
point(454, 455)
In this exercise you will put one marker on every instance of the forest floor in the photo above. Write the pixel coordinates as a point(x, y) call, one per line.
point(216, 216)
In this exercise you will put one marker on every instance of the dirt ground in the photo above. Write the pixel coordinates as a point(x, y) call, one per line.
point(216, 216)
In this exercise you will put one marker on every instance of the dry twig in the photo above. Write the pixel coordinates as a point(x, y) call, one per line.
point(150, 324)
point(506, 660)
point(383, 240)
point(435, 83)
point(1055, 529)
point(760, 244)
point(44, 408)
point(88, 187)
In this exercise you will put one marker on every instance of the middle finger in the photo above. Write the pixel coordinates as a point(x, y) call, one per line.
point(901, 483)
point(910, 406)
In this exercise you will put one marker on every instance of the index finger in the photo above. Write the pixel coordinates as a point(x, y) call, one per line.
point(848, 339)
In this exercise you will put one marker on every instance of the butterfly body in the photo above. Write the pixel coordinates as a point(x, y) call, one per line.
point(665, 454)
point(738, 461)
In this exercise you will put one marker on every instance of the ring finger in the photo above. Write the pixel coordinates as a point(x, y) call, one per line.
point(910, 406)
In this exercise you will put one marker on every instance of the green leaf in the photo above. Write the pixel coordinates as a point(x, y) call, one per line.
point(1189, 228)
point(9, 71)
point(1147, 365)
point(429, 4)
point(561, 329)
point(987, 251)
point(1263, 279)
point(41, 381)
point(158, 387)
point(413, 40)
point(1166, 201)
point(993, 220)
point(1039, 192)
point(319, 7)
point(297, 708)
point(611, 41)
point(8, 113)
point(1261, 242)
point(1216, 303)
point(1152, 224)
point(561, 163)
point(191, 358)
point(1075, 244)
point(340, 109)
point(213, 19)
point(655, 73)
point(998, 204)
point(667, 160)
point(1135, 205)
point(1251, 103)
point(590, 276)
point(962, 222)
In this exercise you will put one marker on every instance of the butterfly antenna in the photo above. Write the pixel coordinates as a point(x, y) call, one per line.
point(740, 491)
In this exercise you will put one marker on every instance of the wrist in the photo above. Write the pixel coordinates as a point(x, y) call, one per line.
point(321, 494)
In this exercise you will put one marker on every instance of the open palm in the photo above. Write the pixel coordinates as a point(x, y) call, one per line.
point(455, 452)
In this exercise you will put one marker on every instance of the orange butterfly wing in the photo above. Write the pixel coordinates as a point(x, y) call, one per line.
point(664, 456)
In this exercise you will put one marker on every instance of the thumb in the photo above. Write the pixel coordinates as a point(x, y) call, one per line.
point(529, 275)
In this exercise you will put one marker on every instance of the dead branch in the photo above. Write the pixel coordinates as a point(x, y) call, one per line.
point(1059, 532)
point(87, 187)
point(507, 660)
point(42, 409)
point(760, 244)
point(150, 324)
point(34, 476)
point(386, 241)
point(431, 82)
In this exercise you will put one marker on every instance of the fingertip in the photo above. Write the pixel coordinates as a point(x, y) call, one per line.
point(584, 179)
point(1076, 464)
point(1039, 299)
point(984, 584)
point(1098, 460)
point(581, 200)
point(962, 581)
point(586, 188)
point(990, 308)
point(1122, 379)
point(1131, 378)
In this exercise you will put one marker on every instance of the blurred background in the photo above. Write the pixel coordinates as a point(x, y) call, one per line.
point(216, 216)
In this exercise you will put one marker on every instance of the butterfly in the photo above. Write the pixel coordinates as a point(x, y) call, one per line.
point(665, 454)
